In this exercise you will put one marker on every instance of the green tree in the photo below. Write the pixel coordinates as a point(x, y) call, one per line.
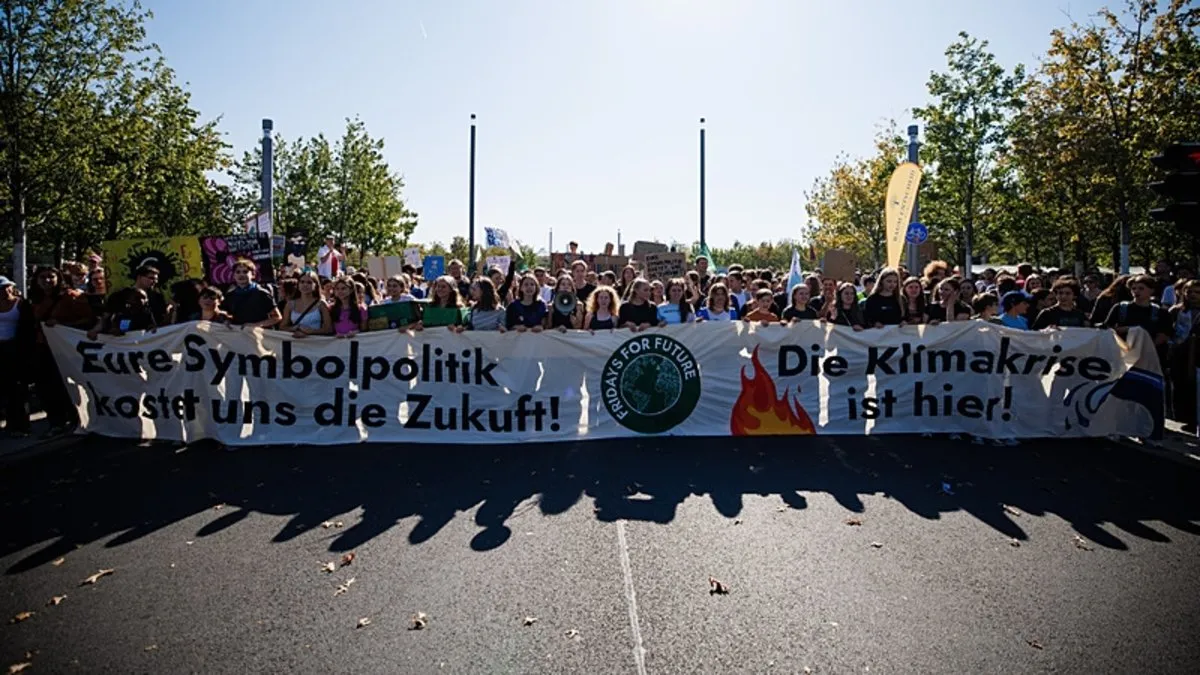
point(846, 208)
point(966, 127)
point(54, 55)
point(345, 188)
point(459, 249)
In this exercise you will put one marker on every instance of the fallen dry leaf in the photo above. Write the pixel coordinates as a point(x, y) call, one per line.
point(737, 522)
point(348, 558)
point(1035, 644)
point(781, 509)
point(1081, 543)
point(96, 577)
point(18, 667)
point(338, 524)
point(363, 622)
point(149, 648)
point(571, 633)
point(58, 562)
point(329, 567)
point(21, 616)
point(854, 522)
point(1011, 510)
point(327, 524)
point(1015, 543)
point(530, 620)
point(419, 621)
point(716, 587)
point(218, 507)
point(877, 544)
point(344, 587)
point(56, 600)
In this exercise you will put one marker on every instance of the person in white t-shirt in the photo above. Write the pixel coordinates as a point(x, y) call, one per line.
point(329, 259)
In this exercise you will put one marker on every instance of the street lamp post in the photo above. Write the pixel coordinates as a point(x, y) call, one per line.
point(914, 147)
point(471, 204)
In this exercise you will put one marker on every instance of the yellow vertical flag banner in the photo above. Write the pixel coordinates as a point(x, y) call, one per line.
point(177, 258)
point(901, 197)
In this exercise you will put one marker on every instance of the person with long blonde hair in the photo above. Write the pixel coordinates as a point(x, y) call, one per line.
point(603, 306)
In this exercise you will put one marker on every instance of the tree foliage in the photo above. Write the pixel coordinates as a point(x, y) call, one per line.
point(97, 139)
point(1051, 167)
point(344, 188)
point(846, 207)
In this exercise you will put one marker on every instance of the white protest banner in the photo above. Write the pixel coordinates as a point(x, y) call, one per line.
point(501, 261)
point(412, 256)
point(496, 237)
point(247, 387)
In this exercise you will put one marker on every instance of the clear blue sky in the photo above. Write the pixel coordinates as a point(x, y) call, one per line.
point(589, 109)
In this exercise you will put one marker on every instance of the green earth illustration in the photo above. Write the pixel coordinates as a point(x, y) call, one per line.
point(651, 384)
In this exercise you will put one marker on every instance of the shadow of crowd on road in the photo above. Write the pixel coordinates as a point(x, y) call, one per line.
point(105, 487)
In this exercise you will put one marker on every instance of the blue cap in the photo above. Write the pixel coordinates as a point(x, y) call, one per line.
point(5, 282)
point(1012, 298)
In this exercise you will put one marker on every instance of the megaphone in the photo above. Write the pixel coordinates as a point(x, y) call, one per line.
point(564, 302)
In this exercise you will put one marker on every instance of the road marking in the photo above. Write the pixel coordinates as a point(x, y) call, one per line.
point(639, 652)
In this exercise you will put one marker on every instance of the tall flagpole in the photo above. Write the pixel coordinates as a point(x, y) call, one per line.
point(701, 182)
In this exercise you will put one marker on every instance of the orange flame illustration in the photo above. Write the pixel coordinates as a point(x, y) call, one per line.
point(758, 413)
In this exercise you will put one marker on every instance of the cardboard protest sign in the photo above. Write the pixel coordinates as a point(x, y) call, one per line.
point(641, 248)
point(176, 258)
point(664, 266)
point(610, 263)
point(412, 256)
point(376, 267)
point(221, 253)
point(392, 266)
point(839, 264)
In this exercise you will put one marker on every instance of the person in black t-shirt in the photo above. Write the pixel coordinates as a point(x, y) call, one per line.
point(583, 289)
point(1142, 312)
point(882, 307)
point(637, 313)
point(145, 279)
point(801, 307)
point(1065, 313)
point(946, 305)
point(248, 303)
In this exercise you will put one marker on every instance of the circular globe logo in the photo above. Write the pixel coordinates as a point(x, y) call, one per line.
point(651, 384)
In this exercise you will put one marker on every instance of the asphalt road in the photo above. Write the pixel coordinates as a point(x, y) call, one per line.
point(217, 558)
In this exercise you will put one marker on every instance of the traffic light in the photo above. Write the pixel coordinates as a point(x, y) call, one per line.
point(1181, 186)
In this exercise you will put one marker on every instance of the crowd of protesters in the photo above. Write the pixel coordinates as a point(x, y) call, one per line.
point(334, 300)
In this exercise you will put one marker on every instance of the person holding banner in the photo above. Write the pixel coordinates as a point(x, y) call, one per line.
point(603, 306)
point(248, 303)
point(348, 312)
point(638, 313)
point(397, 290)
point(55, 303)
point(18, 330)
point(948, 306)
point(762, 309)
point(718, 307)
point(305, 313)
point(573, 320)
point(677, 308)
point(844, 311)
point(209, 300)
point(801, 307)
point(527, 312)
point(1065, 313)
point(912, 297)
point(882, 307)
point(486, 313)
